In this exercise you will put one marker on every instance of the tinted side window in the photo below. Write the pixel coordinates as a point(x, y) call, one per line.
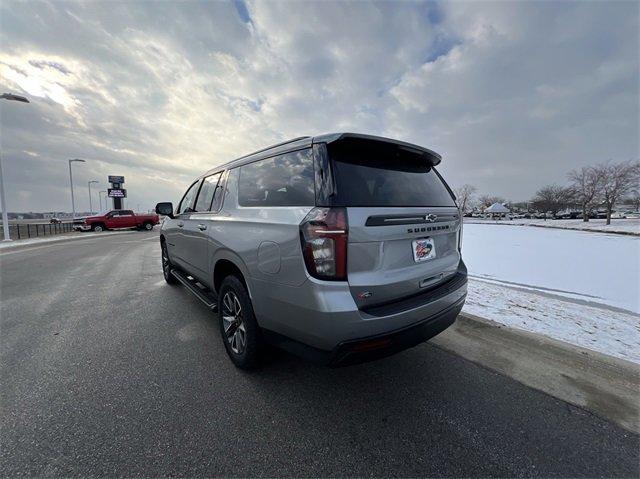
point(186, 205)
point(218, 197)
point(126, 213)
point(206, 192)
point(285, 180)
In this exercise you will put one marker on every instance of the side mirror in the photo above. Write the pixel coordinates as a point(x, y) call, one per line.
point(165, 209)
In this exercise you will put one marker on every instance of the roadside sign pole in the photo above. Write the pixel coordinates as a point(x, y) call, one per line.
point(116, 191)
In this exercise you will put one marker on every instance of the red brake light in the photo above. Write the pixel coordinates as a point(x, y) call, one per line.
point(324, 234)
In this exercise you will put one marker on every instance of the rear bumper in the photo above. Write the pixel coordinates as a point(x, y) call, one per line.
point(373, 347)
point(322, 322)
point(380, 346)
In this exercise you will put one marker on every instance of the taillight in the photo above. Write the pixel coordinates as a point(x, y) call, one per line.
point(324, 235)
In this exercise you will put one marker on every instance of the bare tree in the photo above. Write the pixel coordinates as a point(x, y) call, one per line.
point(618, 179)
point(634, 200)
point(464, 195)
point(552, 198)
point(488, 200)
point(586, 184)
point(634, 197)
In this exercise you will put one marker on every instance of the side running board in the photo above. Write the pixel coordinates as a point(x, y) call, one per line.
point(200, 291)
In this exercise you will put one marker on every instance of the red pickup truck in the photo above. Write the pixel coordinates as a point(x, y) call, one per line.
point(116, 219)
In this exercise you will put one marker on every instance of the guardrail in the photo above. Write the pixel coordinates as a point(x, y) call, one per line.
point(35, 230)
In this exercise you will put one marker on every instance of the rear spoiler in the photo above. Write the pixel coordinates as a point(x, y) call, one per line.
point(431, 157)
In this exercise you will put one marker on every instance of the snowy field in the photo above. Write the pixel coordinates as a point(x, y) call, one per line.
point(626, 225)
point(576, 286)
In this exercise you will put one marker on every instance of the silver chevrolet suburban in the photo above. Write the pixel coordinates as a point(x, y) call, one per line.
point(339, 248)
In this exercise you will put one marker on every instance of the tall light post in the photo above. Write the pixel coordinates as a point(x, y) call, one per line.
point(5, 215)
point(73, 203)
point(105, 199)
point(90, 204)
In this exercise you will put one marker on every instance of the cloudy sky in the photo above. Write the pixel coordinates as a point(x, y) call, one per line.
point(512, 94)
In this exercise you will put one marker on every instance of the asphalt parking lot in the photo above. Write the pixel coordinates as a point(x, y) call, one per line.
point(106, 370)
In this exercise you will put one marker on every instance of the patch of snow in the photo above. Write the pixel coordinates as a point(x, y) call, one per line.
point(604, 330)
point(593, 267)
point(574, 286)
point(626, 225)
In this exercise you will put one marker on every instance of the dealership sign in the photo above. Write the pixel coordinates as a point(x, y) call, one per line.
point(116, 193)
point(116, 179)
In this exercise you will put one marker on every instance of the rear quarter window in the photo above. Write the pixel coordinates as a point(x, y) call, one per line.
point(284, 180)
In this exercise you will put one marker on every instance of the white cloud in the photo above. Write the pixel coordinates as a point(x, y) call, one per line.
point(512, 94)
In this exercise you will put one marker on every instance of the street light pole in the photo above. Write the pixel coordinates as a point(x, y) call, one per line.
point(90, 204)
point(73, 203)
point(105, 199)
point(5, 216)
point(5, 209)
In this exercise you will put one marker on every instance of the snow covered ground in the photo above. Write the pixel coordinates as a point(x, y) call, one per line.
point(576, 286)
point(626, 225)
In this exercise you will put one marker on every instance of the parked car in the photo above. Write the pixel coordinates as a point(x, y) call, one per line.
point(567, 215)
point(116, 219)
point(339, 248)
point(55, 221)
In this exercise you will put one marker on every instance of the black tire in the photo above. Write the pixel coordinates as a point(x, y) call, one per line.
point(245, 330)
point(147, 226)
point(166, 265)
point(98, 228)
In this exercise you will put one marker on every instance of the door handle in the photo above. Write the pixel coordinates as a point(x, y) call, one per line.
point(180, 225)
point(202, 227)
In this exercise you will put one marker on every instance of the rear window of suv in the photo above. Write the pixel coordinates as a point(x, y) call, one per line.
point(376, 174)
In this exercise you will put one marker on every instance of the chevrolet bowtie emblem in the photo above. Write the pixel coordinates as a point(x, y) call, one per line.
point(430, 218)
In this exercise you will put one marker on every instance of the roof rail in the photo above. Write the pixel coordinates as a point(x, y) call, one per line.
point(272, 146)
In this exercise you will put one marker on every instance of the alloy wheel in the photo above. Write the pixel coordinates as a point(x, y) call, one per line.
point(234, 328)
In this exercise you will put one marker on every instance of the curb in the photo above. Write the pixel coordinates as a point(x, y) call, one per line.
point(606, 386)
